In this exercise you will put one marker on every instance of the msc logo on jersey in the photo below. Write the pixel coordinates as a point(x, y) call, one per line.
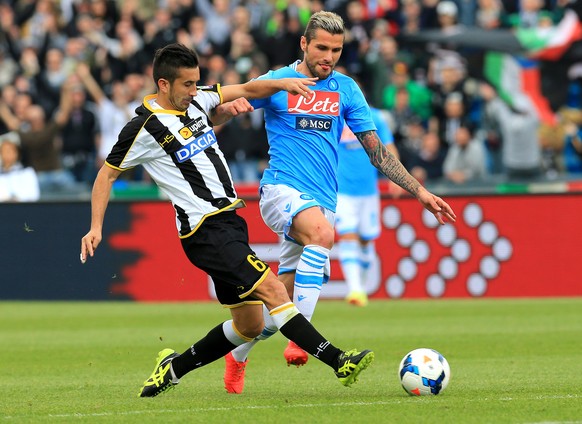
point(192, 128)
point(317, 124)
point(196, 146)
point(321, 103)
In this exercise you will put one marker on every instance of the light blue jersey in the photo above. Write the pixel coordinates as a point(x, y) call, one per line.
point(356, 175)
point(304, 134)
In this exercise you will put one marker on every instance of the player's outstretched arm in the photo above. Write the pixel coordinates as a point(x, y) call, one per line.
point(225, 111)
point(99, 200)
point(260, 88)
point(390, 166)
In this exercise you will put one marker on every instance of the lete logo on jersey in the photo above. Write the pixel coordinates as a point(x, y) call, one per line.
point(322, 103)
point(196, 146)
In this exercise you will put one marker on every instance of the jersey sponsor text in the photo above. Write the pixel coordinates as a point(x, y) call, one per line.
point(302, 123)
point(321, 103)
point(192, 128)
point(196, 146)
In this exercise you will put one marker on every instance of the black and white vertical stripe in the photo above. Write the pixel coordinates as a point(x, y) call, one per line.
point(197, 187)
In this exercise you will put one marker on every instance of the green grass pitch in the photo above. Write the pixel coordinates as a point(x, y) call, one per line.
point(512, 361)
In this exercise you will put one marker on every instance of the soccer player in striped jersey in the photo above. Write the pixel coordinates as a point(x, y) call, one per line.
point(299, 188)
point(172, 136)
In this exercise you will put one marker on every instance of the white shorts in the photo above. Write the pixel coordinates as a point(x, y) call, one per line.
point(359, 215)
point(279, 204)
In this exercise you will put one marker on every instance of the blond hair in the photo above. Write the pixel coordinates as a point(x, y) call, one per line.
point(327, 21)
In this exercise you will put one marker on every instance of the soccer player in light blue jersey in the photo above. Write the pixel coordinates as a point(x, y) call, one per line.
point(358, 208)
point(298, 191)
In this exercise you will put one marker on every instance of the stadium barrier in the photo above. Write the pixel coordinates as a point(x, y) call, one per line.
point(513, 245)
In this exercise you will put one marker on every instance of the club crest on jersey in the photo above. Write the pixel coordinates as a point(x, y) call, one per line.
point(317, 124)
point(192, 128)
point(321, 103)
point(196, 146)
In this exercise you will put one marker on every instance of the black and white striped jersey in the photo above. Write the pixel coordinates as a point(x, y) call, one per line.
point(180, 152)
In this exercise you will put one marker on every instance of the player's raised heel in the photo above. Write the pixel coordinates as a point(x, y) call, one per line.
point(351, 364)
point(294, 355)
point(234, 374)
point(161, 378)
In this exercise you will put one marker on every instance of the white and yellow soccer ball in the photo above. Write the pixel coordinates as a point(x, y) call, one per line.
point(424, 372)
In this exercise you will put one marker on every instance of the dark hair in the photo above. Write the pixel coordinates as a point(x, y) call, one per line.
point(170, 58)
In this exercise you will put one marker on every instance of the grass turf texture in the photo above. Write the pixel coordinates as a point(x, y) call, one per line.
point(512, 361)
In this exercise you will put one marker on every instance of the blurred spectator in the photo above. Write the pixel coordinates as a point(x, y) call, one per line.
point(17, 183)
point(8, 67)
point(488, 15)
point(467, 10)
point(455, 116)
point(7, 97)
point(40, 142)
point(282, 39)
point(244, 53)
point(447, 13)
point(243, 140)
point(218, 13)
point(51, 79)
point(427, 165)
point(14, 113)
point(409, 142)
point(528, 16)
point(159, 30)
point(518, 125)
point(260, 12)
point(196, 36)
point(81, 136)
point(572, 126)
point(419, 96)
point(447, 75)
point(466, 158)
point(216, 68)
point(40, 22)
point(401, 115)
point(378, 66)
point(113, 113)
point(29, 63)
point(552, 139)
point(356, 37)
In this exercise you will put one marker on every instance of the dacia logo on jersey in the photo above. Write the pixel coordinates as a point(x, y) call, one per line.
point(192, 128)
point(313, 124)
point(196, 146)
point(321, 103)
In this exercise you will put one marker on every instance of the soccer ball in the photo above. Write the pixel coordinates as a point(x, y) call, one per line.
point(424, 372)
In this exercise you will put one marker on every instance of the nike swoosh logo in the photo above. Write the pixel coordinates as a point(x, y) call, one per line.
point(300, 298)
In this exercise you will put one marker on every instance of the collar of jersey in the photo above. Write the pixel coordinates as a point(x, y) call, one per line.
point(147, 105)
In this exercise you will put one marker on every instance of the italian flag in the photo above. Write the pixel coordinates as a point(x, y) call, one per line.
point(550, 43)
point(517, 81)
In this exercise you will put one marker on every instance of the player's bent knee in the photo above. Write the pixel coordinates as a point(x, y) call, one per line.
point(323, 237)
point(248, 328)
point(272, 292)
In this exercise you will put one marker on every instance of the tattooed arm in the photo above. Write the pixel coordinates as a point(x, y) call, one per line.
point(390, 166)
